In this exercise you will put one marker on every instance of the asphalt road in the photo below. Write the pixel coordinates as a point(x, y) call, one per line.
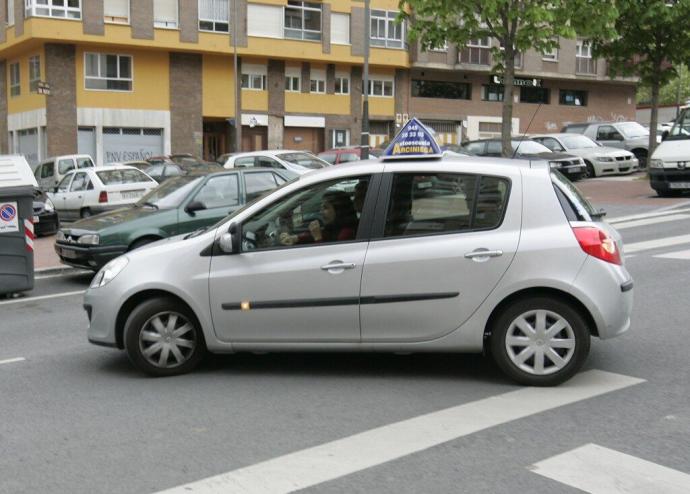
point(75, 418)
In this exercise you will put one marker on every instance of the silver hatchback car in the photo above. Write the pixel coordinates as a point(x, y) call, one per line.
point(445, 255)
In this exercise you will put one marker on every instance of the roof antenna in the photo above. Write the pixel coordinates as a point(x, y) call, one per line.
point(526, 131)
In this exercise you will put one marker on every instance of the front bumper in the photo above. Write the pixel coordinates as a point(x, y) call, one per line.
point(101, 309)
point(669, 179)
point(573, 172)
point(619, 165)
point(46, 223)
point(87, 256)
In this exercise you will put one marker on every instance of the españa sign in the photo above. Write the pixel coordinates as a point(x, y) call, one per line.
point(414, 139)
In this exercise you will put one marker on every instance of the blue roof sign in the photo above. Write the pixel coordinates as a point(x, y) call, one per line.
point(414, 140)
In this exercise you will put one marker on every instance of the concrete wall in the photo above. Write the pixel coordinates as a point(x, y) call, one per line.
point(61, 105)
point(189, 21)
point(92, 17)
point(141, 18)
point(186, 103)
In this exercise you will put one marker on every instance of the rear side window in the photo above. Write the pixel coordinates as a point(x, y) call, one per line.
point(47, 170)
point(575, 206)
point(244, 162)
point(219, 192)
point(445, 203)
point(258, 183)
point(84, 163)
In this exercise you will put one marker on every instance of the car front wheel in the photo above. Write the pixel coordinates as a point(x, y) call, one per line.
point(540, 341)
point(163, 338)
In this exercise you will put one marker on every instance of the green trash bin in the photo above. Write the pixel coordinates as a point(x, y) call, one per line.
point(17, 185)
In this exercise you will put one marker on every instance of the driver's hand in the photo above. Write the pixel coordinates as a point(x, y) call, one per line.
point(315, 230)
point(287, 239)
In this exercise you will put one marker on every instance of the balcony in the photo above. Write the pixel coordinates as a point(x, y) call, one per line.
point(474, 55)
point(585, 65)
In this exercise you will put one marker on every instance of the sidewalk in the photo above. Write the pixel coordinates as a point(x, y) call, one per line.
point(45, 256)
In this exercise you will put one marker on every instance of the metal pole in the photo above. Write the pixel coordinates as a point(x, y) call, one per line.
point(238, 89)
point(365, 83)
point(680, 86)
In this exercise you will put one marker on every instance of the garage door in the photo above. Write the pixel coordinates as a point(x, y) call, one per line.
point(86, 142)
point(131, 144)
point(304, 139)
point(28, 145)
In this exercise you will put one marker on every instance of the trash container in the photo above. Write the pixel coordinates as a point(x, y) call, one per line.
point(17, 185)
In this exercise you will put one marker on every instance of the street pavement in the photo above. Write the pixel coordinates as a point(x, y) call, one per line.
point(75, 418)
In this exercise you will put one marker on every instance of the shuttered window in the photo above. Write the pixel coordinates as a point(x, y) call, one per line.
point(214, 15)
point(165, 13)
point(116, 11)
point(340, 29)
point(264, 20)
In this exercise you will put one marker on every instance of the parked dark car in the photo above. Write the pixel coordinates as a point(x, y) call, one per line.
point(180, 205)
point(46, 220)
point(526, 149)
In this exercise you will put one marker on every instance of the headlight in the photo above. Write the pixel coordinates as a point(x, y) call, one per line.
point(109, 272)
point(60, 235)
point(656, 163)
point(605, 159)
point(49, 206)
point(89, 239)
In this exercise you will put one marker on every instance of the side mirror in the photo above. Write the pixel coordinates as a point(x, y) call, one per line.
point(194, 206)
point(229, 242)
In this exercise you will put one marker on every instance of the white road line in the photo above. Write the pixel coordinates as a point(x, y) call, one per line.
point(681, 254)
point(40, 297)
point(12, 360)
point(657, 243)
point(598, 470)
point(332, 460)
point(642, 216)
point(650, 221)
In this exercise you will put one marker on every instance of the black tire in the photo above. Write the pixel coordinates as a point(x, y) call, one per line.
point(85, 213)
point(565, 311)
point(668, 193)
point(141, 242)
point(589, 173)
point(140, 320)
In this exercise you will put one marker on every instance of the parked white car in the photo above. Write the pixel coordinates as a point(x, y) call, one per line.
point(83, 193)
point(51, 171)
point(599, 159)
point(669, 168)
point(293, 162)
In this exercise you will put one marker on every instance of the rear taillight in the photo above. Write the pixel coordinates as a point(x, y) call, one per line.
point(597, 243)
point(103, 196)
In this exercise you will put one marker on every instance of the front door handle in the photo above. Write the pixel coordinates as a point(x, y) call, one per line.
point(338, 266)
point(481, 255)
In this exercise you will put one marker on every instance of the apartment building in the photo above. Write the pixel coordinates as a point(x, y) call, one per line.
point(127, 79)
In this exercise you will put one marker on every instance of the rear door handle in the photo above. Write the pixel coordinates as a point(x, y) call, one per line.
point(483, 254)
point(338, 266)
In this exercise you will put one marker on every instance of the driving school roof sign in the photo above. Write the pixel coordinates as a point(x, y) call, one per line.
point(413, 140)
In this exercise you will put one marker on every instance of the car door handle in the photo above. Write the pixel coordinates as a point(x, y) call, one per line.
point(483, 254)
point(338, 266)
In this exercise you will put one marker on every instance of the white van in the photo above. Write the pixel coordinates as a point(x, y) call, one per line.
point(669, 168)
point(51, 171)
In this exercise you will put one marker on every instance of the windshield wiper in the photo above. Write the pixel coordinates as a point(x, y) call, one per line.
point(155, 206)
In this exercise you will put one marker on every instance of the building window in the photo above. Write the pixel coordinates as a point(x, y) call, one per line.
point(15, 82)
point(65, 9)
point(385, 31)
point(108, 72)
point(10, 12)
point(255, 82)
point(441, 89)
point(341, 138)
point(381, 87)
point(342, 84)
point(165, 13)
point(550, 56)
point(303, 20)
point(584, 63)
point(534, 95)
point(477, 52)
point(340, 29)
point(214, 15)
point(571, 97)
point(492, 92)
point(116, 11)
point(34, 73)
point(317, 81)
point(292, 83)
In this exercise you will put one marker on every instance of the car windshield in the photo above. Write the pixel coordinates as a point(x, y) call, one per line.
point(330, 157)
point(305, 160)
point(171, 193)
point(122, 176)
point(578, 142)
point(530, 147)
point(631, 130)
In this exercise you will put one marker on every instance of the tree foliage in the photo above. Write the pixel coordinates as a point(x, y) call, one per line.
point(517, 24)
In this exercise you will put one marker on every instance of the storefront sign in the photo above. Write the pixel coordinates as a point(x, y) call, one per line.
point(517, 81)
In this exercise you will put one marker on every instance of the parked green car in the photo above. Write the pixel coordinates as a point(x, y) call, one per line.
point(180, 205)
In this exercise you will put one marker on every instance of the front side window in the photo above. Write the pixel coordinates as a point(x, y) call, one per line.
point(47, 170)
point(170, 193)
point(34, 73)
point(222, 191)
point(80, 182)
point(379, 87)
point(444, 203)
point(165, 13)
point(63, 186)
point(15, 80)
point(116, 11)
point(65, 165)
point(303, 20)
point(107, 72)
point(256, 184)
point(551, 143)
point(326, 212)
point(573, 98)
point(65, 9)
point(214, 15)
point(385, 31)
point(608, 133)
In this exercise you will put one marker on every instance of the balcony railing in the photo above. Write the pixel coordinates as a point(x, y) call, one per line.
point(585, 65)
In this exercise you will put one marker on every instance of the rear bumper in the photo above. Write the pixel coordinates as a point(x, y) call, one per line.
point(47, 224)
point(667, 179)
point(89, 257)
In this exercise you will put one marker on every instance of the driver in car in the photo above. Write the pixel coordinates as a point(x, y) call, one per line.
point(339, 222)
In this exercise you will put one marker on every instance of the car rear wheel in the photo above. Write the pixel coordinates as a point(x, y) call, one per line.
point(540, 341)
point(163, 338)
point(85, 213)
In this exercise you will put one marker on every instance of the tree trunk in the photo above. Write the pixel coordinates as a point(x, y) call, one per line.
point(507, 114)
point(654, 117)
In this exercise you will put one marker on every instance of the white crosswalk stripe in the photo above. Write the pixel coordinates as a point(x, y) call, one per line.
point(657, 243)
point(598, 470)
point(650, 221)
point(681, 254)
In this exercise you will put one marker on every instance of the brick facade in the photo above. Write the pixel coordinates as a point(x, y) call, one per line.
point(141, 13)
point(239, 6)
point(61, 105)
point(189, 21)
point(92, 14)
point(18, 17)
point(186, 103)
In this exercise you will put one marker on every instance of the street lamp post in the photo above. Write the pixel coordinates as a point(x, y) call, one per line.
point(365, 84)
point(238, 94)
